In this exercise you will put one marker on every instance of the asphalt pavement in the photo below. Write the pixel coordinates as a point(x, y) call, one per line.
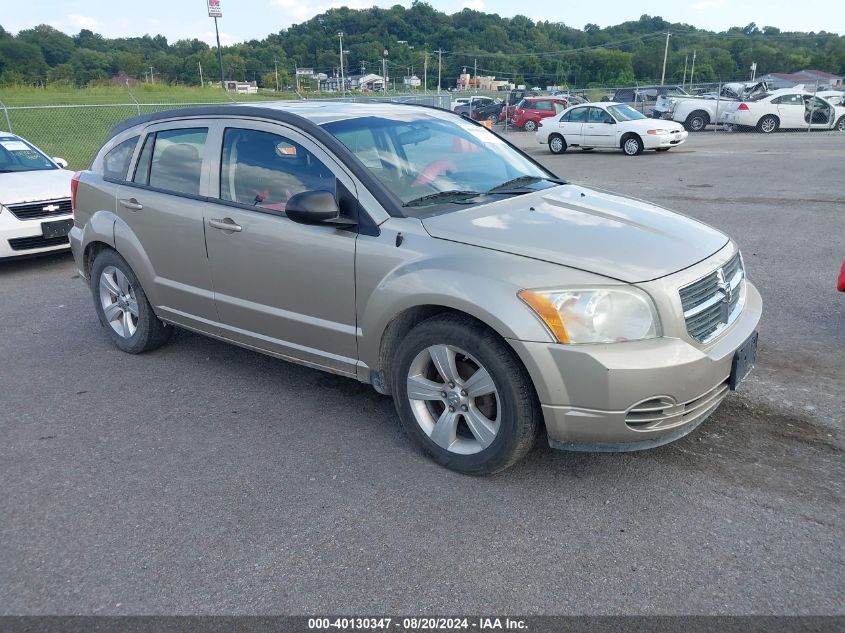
point(204, 478)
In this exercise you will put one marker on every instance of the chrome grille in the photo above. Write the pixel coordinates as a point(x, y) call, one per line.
point(43, 209)
point(714, 301)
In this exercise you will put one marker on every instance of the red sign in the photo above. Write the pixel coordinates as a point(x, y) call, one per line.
point(214, 9)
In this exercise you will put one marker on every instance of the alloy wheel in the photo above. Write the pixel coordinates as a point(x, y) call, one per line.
point(118, 300)
point(453, 399)
point(632, 146)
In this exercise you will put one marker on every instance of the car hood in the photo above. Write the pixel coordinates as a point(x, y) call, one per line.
point(643, 125)
point(34, 186)
point(591, 230)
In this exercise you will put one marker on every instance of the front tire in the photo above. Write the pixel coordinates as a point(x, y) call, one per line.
point(632, 145)
point(768, 124)
point(557, 144)
point(840, 124)
point(463, 396)
point(530, 126)
point(122, 306)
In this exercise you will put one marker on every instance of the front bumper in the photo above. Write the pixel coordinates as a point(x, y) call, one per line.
point(11, 228)
point(591, 394)
point(653, 141)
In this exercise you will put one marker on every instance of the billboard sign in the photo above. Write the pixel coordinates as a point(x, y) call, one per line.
point(214, 9)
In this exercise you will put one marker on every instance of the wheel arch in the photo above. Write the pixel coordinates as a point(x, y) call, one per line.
point(626, 136)
point(407, 320)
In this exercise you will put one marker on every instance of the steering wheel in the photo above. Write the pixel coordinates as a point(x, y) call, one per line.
point(435, 169)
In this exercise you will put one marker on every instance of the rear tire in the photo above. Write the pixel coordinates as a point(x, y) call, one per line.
point(840, 124)
point(482, 433)
point(557, 144)
point(530, 126)
point(768, 124)
point(697, 121)
point(122, 306)
point(632, 145)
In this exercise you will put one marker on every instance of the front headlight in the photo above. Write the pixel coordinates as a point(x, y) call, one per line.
point(657, 132)
point(595, 315)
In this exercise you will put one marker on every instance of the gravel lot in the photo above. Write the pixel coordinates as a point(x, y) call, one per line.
point(203, 478)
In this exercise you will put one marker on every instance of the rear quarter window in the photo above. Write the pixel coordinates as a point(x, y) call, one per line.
point(116, 161)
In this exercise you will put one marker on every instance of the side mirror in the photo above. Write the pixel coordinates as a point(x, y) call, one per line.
point(315, 207)
point(61, 162)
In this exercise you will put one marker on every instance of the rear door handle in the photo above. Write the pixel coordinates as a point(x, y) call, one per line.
point(225, 224)
point(131, 204)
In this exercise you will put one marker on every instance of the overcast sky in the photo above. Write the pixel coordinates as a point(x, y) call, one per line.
point(248, 19)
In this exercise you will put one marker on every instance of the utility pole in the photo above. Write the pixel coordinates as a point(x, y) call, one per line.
point(342, 82)
point(475, 72)
point(692, 70)
point(684, 82)
point(384, 72)
point(439, 62)
point(425, 72)
point(202, 83)
point(152, 77)
point(665, 55)
point(276, 68)
point(220, 56)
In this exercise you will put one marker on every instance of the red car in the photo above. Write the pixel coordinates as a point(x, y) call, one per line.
point(530, 110)
point(840, 284)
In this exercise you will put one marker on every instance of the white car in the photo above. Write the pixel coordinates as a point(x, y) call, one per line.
point(35, 205)
point(785, 109)
point(611, 125)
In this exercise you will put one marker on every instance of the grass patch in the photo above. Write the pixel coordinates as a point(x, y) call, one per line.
point(72, 123)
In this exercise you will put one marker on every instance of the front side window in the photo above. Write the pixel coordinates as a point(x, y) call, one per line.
point(597, 115)
point(426, 160)
point(116, 161)
point(172, 160)
point(18, 155)
point(265, 170)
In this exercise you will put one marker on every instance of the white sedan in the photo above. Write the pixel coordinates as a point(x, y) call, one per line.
point(35, 206)
point(611, 125)
point(785, 109)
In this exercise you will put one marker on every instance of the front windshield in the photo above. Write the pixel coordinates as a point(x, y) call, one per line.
point(18, 155)
point(625, 113)
point(431, 161)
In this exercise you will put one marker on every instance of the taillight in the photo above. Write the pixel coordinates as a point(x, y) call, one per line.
point(744, 107)
point(74, 185)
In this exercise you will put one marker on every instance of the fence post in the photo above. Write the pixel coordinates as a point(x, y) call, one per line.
point(6, 112)
point(131, 96)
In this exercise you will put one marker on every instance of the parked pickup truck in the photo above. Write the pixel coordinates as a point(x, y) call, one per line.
point(697, 112)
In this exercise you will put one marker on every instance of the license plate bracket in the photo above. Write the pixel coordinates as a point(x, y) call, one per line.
point(59, 228)
point(743, 361)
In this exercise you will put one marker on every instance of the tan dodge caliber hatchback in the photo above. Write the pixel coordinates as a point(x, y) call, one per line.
point(417, 251)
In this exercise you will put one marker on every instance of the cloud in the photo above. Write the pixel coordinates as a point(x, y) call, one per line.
point(82, 21)
point(296, 11)
point(475, 5)
point(707, 5)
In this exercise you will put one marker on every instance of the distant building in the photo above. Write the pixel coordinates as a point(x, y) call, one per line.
point(808, 78)
point(242, 87)
point(411, 81)
point(369, 82)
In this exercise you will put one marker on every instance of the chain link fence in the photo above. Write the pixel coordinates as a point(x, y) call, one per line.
point(75, 131)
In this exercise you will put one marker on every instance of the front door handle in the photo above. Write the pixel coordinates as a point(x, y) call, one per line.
point(225, 224)
point(132, 204)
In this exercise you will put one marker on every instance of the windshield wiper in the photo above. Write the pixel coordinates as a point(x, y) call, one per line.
point(454, 195)
point(522, 181)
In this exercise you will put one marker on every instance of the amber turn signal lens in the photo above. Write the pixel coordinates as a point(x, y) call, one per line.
point(546, 310)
